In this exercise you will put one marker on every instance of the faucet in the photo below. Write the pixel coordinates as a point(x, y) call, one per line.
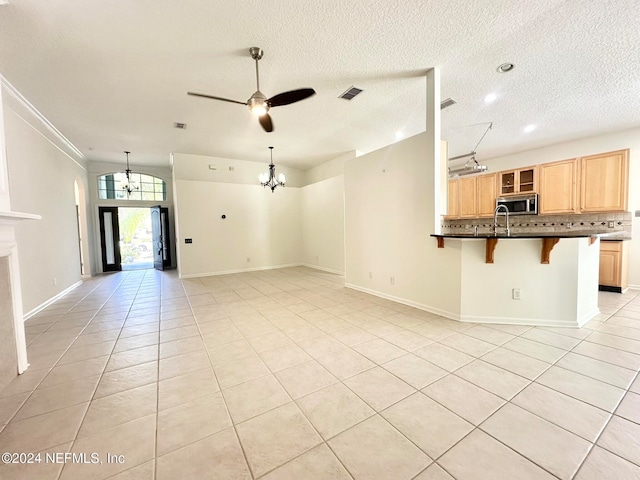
point(495, 219)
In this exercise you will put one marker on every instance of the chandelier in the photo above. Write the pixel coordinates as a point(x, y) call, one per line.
point(269, 179)
point(129, 186)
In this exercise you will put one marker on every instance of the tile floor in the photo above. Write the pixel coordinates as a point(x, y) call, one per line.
point(286, 374)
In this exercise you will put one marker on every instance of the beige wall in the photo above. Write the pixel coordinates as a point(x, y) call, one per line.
point(389, 215)
point(322, 224)
point(41, 181)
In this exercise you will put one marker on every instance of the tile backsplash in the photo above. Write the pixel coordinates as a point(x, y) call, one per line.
point(588, 222)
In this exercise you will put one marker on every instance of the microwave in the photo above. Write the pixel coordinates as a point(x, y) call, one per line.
point(520, 204)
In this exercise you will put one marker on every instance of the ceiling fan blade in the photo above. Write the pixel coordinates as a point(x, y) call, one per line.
point(215, 98)
point(265, 121)
point(293, 96)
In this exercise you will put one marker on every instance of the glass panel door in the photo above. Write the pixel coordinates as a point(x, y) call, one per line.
point(110, 239)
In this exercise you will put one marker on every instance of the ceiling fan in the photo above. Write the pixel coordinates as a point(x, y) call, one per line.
point(258, 103)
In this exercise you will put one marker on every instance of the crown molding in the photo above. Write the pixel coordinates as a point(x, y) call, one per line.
point(50, 131)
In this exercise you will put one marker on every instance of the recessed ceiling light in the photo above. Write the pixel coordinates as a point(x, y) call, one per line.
point(529, 128)
point(505, 67)
point(490, 98)
point(399, 135)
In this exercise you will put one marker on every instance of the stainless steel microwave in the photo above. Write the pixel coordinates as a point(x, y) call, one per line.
point(520, 204)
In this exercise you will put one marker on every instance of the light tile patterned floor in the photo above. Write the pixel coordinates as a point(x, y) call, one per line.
point(287, 374)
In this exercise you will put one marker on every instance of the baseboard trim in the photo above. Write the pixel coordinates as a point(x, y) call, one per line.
point(539, 322)
point(323, 269)
point(404, 301)
point(633, 287)
point(44, 305)
point(481, 319)
point(241, 270)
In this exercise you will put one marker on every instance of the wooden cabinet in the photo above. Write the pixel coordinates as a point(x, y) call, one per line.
point(452, 199)
point(471, 197)
point(517, 181)
point(613, 266)
point(604, 182)
point(467, 197)
point(485, 195)
point(558, 187)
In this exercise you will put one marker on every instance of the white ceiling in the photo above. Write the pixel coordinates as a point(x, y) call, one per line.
point(112, 75)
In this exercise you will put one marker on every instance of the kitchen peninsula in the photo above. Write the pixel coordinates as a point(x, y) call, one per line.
point(518, 287)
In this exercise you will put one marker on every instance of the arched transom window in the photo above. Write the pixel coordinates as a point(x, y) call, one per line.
point(111, 187)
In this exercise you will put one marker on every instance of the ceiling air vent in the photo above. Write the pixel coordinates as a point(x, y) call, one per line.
point(179, 125)
point(447, 102)
point(350, 93)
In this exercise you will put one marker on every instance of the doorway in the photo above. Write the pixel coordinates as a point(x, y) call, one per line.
point(134, 238)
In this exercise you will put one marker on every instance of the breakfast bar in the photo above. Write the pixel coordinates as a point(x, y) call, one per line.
point(515, 280)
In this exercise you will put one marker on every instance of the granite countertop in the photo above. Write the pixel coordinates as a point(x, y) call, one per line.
point(604, 236)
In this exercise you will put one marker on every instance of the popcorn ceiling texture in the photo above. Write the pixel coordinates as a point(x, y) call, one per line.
point(589, 223)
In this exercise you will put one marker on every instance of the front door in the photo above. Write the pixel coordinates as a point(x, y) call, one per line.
point(161, 244)
point(110, 239)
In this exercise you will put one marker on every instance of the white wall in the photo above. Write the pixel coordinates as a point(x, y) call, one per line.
point(389, 215)
point(322, 210)
point(588, 146)
point(41, 181)
point(261, 226)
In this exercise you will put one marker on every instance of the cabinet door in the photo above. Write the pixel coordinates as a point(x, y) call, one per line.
point(526, 179)
point(486, 195)
point(558, 192)
point(507, 182)
point(467, 196)
point(452, 200)
point(604, 182)
point(609, 268)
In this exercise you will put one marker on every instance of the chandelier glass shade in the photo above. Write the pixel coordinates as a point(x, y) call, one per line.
point(269, 179)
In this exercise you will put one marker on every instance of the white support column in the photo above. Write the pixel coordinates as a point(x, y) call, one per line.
point(433, 139)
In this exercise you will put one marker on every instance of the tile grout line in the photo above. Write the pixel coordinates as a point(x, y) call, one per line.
point(125, 277)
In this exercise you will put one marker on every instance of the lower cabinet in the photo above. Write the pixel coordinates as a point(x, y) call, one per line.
point(613, 266)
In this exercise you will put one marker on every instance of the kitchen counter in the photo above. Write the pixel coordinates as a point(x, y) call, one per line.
point(549, 240)
point(604, 236)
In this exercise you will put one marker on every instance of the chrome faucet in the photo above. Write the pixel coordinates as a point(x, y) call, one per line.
point(495, 219)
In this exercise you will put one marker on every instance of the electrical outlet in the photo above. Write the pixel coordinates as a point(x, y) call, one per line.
point(188, 240)
point(516, 294)
point(55, 281)
point(392, 280)
point(370, 275)
point(611, 224)
point(317, 257)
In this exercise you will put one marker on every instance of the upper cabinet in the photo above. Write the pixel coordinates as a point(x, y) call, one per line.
point(558, 187)
point(604, 182)
point(486, 195)
point(452, 199)
point(517, 181)
point(471, 197)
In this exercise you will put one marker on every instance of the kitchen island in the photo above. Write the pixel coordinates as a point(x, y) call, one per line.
point(519, 287)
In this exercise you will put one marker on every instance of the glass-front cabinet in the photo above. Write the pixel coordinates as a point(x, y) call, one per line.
point(517, 181)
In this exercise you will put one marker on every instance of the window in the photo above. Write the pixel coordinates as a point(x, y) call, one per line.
point(149, 187)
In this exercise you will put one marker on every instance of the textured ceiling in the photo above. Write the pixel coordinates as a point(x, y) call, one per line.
point(112, 75)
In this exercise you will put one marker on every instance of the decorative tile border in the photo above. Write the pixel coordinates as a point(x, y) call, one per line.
point(588, 223)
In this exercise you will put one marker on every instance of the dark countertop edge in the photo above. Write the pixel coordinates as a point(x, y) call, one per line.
point(605, 236)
